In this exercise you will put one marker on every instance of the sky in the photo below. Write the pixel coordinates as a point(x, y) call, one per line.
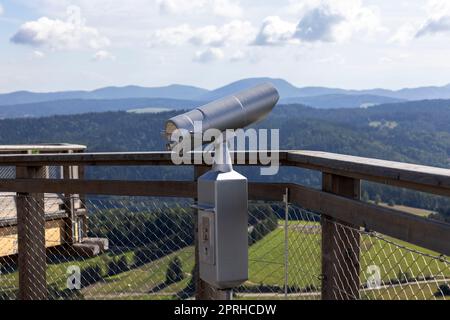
point(53, 45)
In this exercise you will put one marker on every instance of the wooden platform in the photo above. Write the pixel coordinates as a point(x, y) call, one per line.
point(8, 210)
point(41, 148)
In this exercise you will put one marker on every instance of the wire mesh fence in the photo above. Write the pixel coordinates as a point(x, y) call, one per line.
point(143, 248)
point(7, 172)
point(387, 268)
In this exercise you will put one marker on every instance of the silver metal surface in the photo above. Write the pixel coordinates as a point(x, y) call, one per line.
point(232, 112)
point(223, 232)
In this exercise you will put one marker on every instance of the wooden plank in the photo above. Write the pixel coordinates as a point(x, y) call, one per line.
point(410, 176)
point(179, 189)
point(60, 147)
point(8, 241)
point(69, 207)
point(82, 219)
point(48, 217)
point(71, 203)
point(157, 158)
point(54, 236)
point(268, 191)
point(340, 245)
point(31, 239)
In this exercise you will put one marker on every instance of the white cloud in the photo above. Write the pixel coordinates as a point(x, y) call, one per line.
point(404, 34)
point(437, 8)
point(336, 21)
point(171, 36)
point(226, 8)
point(103, 55)
point(275, 31)
point(437, 21)
point(209, 55)
point(38, 54)
point(335, 59)
point(393, 59)
point(438, 18)
point(434, 26)
point(222, 8)
point(72, 33)
point(1, 9)
point(238, 56)
point(234, 32)
point(321, 20)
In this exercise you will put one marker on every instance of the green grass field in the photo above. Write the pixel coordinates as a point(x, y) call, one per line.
point(145, 279)
point(304, 258)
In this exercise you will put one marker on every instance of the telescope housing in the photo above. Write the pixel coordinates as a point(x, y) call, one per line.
point(233, 112)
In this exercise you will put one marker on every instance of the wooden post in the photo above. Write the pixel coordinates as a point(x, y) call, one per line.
point(31, 239)
point(203, 290)
point(340, 245)
point(84, 218)
point(69, 208)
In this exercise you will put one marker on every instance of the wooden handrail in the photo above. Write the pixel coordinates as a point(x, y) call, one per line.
point(411, 176)
point(41, 148)
point(417, 177)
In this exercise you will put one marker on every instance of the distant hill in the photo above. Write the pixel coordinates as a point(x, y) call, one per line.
point(424, 93)
point(32, 104)
point(175, 91)
point(169, 92)
point(286, 89)
point(78, 106)
point(338, 101)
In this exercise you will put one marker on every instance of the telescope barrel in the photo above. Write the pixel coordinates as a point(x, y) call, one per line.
point(233, 112)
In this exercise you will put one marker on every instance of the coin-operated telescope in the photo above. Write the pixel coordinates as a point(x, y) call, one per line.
point(222, 192)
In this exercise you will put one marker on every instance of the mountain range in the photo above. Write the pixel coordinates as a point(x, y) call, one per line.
point(36, 104)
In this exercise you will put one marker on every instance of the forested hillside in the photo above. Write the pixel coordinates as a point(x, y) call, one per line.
point(79, 106)
point(415, 132)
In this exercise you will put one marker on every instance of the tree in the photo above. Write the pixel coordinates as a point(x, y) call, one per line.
point(122, 264)
point(91, 275)
point(404, 277)
point(116, 266)
point(377, 199)
point(444, 290)
point(391, 203)
point(365, 196)
point(174, 271)
point(112, 268)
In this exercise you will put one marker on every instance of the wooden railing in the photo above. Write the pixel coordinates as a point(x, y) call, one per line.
point(339, 200)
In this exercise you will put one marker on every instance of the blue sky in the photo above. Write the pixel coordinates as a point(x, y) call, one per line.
point(50, 45)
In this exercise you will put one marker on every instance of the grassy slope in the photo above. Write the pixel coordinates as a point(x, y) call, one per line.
point(142, 280)
point(304, 258)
